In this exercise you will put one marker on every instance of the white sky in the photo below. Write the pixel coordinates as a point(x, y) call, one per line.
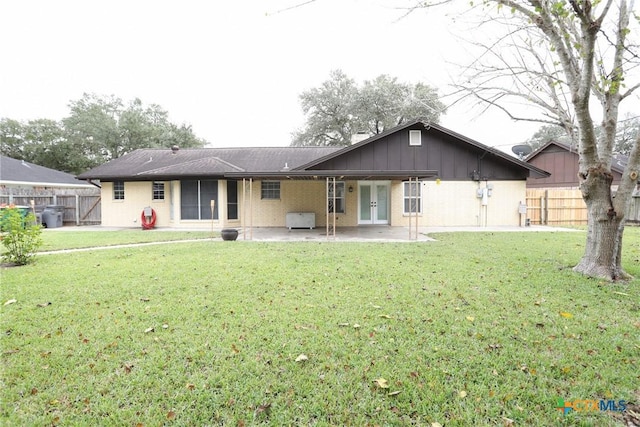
point(231, 69)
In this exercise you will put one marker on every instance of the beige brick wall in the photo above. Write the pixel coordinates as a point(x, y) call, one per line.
point(450, 203)
point(455, 203)
point(297, 196)
point(127, 212)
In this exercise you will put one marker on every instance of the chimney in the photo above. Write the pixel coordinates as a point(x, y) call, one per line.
point(359, 136)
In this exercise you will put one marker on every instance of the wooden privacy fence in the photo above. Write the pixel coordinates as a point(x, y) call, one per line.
point(565, 207)
point(78, 209)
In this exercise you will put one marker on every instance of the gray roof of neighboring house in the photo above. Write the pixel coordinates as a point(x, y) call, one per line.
point(19, 172)
point(145, 164)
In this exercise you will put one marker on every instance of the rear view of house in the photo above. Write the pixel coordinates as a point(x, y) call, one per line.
point(416, 172)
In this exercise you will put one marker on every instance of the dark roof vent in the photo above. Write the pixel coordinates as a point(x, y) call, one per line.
point(174, 149)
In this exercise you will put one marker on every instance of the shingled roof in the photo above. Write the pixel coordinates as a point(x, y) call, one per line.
point(148, 164)
point(19, 172)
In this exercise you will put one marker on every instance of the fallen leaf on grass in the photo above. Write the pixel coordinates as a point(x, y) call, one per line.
point(190, 386)
point(145, 299)
point(462, 394)
point(171, 415)
point(385, 316)
point(507, 421)
point(165, 326)
point(381, 383)
point(343, 324)
point(302, 358)
point(151, 329)
point(470, 318)
point(621, 293)
point(394, 393)
point(356, 326)
point(44, 304)
point(11, 301)
point(436, 424)
point(566, 315)
point(265, 408)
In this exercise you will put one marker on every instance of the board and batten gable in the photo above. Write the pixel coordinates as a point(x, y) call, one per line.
point(562, 161)
point(454, 159)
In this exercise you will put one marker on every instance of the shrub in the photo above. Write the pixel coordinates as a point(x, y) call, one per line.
point(20, 235)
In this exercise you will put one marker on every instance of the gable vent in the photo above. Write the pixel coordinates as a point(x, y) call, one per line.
point(415, 138)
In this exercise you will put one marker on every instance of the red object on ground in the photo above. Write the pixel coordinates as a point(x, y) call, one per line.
point(148, 222)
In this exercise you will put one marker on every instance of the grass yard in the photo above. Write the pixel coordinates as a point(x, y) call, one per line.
point(474, 329)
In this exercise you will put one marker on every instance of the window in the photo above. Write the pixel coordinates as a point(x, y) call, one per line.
point(118, 190)
point(339, 197)
point(270, 190)
point(232, 199)
point(158, 190)
point(415, 137)
point(412, 197)
point(196, 197)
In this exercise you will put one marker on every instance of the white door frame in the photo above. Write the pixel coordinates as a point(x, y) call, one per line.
point(379, 201)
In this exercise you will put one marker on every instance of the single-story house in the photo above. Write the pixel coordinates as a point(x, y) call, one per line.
point(561, 161)
point(417, 173)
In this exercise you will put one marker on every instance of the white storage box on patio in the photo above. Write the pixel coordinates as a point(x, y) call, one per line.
point(301, 220)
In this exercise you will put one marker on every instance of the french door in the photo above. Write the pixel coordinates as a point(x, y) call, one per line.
point(373, 202)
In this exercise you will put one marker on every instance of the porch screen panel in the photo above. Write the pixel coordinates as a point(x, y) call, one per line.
point(232, 199)
point(208, 192)
point(189, 199)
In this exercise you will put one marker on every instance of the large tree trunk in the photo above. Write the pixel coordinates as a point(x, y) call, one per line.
point(603, 251)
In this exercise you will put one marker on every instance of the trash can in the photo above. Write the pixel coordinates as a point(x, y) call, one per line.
point(52, 216)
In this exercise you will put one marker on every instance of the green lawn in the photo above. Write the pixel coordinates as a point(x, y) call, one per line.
point(473, 329)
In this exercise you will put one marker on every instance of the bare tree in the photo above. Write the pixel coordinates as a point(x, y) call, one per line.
point(572, 62)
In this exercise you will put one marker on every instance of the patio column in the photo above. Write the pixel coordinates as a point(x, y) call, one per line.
point(331, 216)
point(247, 210)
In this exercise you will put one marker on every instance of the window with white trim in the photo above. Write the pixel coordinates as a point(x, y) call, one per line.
point(339, 197)
point(270, 190)
point(412, 194)
point(118, 190)
point(158, 190)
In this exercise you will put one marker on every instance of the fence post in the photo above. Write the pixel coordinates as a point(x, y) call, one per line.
point(77, 210)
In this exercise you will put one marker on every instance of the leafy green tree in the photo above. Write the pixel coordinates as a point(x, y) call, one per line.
point(106, 129)
point(97, 130)
point(339, 108)
point(12, 139)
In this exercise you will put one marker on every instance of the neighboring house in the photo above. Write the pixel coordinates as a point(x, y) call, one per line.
point(23, 183)
point(414, 172)
point(556, 199)
point(561, 161)
point(20, 180)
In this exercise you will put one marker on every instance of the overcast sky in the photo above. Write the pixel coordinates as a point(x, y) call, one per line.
point(231, 69)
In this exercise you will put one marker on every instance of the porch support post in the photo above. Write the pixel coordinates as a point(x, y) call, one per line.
point(244, 209)
point(331, 216)
point(251, 211)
